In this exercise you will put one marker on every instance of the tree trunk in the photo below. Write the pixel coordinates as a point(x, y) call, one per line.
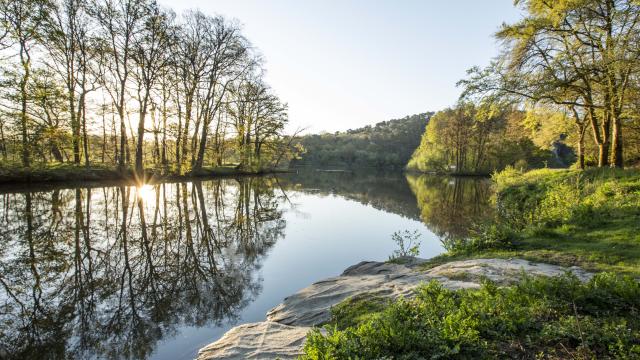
point(104, 138)
point(26, 65)
point(178, 136)
point(139, 143)
point(203, 143)
point(617, 155)
point(75, 129)
point(123, 129)
point(85, 137)
point(163, 155)
point(581, 148)
point(3, 144)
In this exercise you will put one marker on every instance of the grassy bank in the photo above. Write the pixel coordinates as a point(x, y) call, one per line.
point(588, 218)
point(62, 173)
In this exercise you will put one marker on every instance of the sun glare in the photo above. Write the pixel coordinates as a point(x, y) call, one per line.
point(145, 192)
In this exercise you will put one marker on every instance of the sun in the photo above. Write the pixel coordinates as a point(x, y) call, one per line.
point(145, 192)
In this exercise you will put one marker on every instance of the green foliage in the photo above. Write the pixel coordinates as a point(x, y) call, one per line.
point(484, 237)
point(587, 218)
point(551, 317)
point(477, 139)
point(408, 244)
point(386, 144)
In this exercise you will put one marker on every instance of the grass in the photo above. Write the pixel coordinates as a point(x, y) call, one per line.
point(587, 218)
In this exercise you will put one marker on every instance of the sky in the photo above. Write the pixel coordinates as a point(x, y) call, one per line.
point(343, 64)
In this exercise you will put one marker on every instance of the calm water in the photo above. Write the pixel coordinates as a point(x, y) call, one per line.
point(159, 271)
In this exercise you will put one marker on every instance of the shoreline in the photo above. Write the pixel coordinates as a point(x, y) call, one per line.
point(80, 176)
point(284, 331)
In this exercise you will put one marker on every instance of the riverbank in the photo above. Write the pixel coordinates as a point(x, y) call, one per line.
point(448, 173)
point(74, 174)
point(463, 309)
point(554, 275)
point(585, 218)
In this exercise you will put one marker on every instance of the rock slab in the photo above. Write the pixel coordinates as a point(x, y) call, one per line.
point(263, 340)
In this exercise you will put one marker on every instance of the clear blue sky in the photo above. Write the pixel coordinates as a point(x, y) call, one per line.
point(343, 64)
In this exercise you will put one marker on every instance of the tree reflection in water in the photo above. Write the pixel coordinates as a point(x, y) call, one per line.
point(108, 272)
point(452, 206)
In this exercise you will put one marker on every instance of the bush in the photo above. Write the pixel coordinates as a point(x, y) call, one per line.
point(408, 243)
point(550, 317)
point(484, 237)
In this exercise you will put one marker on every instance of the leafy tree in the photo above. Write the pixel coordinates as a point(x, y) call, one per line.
point(476, 139)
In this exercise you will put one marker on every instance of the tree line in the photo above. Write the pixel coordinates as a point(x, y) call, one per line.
point(567, 69)
point(387, 144)
point(131, 84)
point(472, 138)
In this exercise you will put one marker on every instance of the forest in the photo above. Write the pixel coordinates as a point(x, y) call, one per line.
point(385, 145)
point(567, 75)
point(131, 85)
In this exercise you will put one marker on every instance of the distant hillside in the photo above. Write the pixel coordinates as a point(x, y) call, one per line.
point(384, 145)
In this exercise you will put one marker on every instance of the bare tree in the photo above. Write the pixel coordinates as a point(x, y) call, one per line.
point(120, 22)
point(150, 53)
point(22, 22)
point(228, 62)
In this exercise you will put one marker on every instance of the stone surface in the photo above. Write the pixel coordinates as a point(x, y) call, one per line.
point(311, 306)
point(263, 340)
point(283, 334)
point(503, 271)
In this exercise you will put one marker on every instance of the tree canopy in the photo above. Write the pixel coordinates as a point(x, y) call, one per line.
point(131, 84)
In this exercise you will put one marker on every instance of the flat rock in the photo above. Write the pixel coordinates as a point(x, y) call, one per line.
point(503, 271)
point(262, 340)
point(311, 306)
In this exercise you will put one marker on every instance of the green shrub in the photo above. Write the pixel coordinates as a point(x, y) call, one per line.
point(408, 243)
point(551, 317)
point(483, 237)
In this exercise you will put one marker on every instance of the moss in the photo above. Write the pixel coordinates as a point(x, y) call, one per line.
point(355, 310)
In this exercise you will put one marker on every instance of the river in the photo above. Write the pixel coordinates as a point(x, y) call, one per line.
point(159, 271)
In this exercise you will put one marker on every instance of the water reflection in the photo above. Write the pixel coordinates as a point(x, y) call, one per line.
point(118, 271)
point(382, 190)
point(108, 272)
point(452, 206)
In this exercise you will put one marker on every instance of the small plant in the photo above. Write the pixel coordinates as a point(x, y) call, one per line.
point(408, 244)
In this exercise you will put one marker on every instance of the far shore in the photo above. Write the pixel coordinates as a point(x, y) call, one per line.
point(73, 175)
